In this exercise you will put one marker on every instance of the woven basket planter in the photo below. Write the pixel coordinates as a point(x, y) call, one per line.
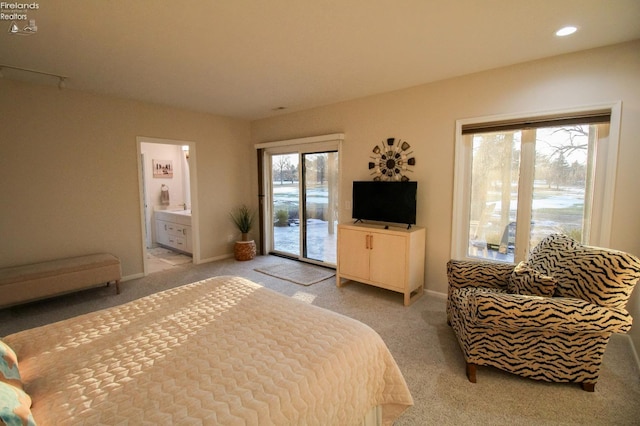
point(244, 250)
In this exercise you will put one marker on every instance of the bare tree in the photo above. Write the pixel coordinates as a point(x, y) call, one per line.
point(559, 171)
point(291, 172)
point(577, 136)
point(282, 164)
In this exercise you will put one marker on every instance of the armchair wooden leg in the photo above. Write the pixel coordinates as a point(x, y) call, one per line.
point(471, 372)
point(589, 387)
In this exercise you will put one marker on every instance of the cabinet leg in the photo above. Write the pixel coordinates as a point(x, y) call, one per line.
point(409, 297)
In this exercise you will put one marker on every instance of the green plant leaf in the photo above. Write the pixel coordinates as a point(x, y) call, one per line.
point(243, 218)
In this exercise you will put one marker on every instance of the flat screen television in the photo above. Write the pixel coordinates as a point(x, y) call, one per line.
point(383, 201)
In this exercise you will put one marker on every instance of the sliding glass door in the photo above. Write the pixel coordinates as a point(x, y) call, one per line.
point(320, 202)
point(285, 204)
point(304, 204)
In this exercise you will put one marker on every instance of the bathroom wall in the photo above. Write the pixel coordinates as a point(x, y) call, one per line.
point(178, 184)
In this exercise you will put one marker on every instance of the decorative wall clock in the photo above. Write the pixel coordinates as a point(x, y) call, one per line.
point(392, 161)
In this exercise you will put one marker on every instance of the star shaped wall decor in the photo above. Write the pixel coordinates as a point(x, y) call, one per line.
point(391, 161)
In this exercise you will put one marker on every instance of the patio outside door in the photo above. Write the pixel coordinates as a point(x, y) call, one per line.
point(304, 205)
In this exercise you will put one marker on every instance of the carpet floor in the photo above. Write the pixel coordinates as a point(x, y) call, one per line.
point(420, 340)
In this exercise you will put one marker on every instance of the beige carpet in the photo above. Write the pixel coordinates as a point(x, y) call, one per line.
point(420, 340)
point(297, 272)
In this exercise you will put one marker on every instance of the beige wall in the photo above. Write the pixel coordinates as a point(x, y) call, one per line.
point(69, 169)
point(425, 117)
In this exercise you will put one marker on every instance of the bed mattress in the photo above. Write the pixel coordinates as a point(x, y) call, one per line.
point(219, 351)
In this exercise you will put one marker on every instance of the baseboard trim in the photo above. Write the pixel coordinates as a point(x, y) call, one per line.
point(215, 258)
point(132, 277)
point(436, 294)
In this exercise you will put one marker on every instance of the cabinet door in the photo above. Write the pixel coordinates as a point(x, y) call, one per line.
point(179, 243)
point(173, 229)
point(388, 260)
point(162, 234)
point(353, 253)
point(188, 241)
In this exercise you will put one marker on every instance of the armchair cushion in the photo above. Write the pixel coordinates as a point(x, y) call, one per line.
point(515, 311)
point(526, 280)
point(601, 276)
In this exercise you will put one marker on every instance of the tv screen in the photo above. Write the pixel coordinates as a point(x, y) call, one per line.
point(385, 201)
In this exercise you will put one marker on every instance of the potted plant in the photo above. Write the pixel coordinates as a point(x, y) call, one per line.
point(243, 218)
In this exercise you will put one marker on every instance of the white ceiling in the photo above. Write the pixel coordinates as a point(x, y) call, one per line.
point(244, 58)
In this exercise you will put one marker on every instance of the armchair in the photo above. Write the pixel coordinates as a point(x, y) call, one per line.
point(549, 318)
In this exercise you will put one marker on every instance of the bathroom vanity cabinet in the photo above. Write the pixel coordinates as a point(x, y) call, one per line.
point(173, 230)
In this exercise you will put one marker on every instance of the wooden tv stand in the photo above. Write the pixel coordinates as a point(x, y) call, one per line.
point(390, 258)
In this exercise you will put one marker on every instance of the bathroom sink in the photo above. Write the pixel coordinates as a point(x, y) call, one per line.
point(182, 217)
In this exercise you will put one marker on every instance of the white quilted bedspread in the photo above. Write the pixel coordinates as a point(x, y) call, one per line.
point(221, 351)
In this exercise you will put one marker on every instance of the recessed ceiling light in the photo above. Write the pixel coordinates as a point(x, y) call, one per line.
point(565, 31)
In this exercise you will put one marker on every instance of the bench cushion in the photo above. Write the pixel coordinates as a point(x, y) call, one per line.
point(55, 267)
point(39, 280)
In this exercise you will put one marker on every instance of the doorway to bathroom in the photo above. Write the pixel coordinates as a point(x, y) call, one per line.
point(168, 207)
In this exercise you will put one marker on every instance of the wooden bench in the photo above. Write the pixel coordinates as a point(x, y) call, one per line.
point(26, 283)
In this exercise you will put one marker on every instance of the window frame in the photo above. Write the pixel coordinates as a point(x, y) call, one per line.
point(605, 179)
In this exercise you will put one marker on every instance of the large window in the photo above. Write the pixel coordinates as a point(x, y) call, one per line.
point(521, 179)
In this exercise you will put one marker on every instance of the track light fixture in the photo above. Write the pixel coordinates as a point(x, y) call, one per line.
point(62, 80)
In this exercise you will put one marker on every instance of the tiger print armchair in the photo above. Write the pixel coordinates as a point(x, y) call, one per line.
point(549, 318)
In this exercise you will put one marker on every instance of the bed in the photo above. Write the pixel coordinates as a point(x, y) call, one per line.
point(220, 351)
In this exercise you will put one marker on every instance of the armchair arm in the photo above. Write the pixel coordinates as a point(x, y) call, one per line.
point(515, 311)
point(478, 273)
